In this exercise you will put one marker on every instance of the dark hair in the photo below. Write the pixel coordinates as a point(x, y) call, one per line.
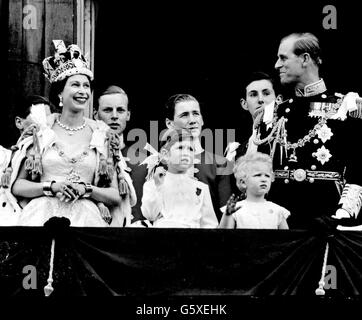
point(175, 135)
point(175, 99)
point(307, 43)
point(25, 105)
point(58, 87)
point(112, 89)
point(256, 76)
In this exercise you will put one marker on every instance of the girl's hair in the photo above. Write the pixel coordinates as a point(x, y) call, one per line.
point(244, 163)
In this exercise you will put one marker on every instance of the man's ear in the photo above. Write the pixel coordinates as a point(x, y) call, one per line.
point(19, 123)
point(128, 115)
point(306, 59)
point(169, 124)
point(243, 104)
point(279, 99)
point(95, 114)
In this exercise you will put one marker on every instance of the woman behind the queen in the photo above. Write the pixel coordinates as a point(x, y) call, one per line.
point(70, 167)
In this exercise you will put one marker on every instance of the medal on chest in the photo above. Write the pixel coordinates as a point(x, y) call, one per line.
point(320, 131)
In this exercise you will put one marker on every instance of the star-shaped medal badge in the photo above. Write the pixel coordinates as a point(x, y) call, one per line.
point(324, 133)
point(323, 155)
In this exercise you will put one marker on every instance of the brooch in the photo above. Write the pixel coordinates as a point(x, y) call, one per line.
point(324, 133)
point(323, 155)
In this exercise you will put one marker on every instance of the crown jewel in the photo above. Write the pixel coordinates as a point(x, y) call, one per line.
point(65, 62)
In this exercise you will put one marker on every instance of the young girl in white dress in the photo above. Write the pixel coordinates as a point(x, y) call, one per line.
point(254, 175)
point(171, 198)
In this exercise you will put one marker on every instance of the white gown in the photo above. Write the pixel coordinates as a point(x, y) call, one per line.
point(181, 202)
point(59, 166)
point(258, 215)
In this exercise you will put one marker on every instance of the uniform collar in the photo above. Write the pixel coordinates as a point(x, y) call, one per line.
point(312, 89)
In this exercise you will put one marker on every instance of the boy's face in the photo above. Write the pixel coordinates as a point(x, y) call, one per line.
point(113, 110)
point(258, 180)
point(187, 116)
point(258, 94)
point(181, 156)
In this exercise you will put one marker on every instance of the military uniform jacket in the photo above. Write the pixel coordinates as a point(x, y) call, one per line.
point(314, 155)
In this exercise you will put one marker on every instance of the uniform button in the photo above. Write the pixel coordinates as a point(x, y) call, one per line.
point(313, 167)
point(311, 180)
point(290, 101)
point(286, 168)
point(286, 181)
point(324, 96)
point(316, 141)
point(287, 110)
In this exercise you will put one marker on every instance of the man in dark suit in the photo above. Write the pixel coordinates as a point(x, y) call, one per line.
point(183, 111)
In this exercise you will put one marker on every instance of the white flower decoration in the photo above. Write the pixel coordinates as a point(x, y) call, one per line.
point(99, 137)
point(230, 151)
point(323, 155)
point(324, 133)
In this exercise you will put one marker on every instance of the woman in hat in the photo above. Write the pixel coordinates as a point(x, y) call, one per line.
point(71, 167)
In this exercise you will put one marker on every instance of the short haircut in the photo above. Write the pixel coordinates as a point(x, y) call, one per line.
point(175, 99)
point(26, 103)
point(307, 43)
point(257, 76)
point(112, 89)
point(175, 135)
point(243, 164)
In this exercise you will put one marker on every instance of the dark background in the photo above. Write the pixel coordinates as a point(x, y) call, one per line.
point(154, 50)
point(205, 49)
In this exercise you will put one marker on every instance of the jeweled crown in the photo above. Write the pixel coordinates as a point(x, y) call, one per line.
point(65, 62)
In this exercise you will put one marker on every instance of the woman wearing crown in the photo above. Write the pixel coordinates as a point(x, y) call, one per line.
point(72, 164)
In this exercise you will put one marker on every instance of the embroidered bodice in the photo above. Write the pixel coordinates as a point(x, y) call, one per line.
point(60, 163)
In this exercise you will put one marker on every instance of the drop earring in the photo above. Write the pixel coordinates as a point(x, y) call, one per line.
point(60, 101)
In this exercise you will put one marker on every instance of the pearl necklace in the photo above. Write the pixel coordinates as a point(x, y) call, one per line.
point(69, 130)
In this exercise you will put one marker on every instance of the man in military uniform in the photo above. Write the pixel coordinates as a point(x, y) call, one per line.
point(313, 142)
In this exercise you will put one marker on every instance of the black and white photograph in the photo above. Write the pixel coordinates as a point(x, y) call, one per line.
point(189, 159)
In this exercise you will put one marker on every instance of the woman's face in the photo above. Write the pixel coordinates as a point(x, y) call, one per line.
point(76, 93)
